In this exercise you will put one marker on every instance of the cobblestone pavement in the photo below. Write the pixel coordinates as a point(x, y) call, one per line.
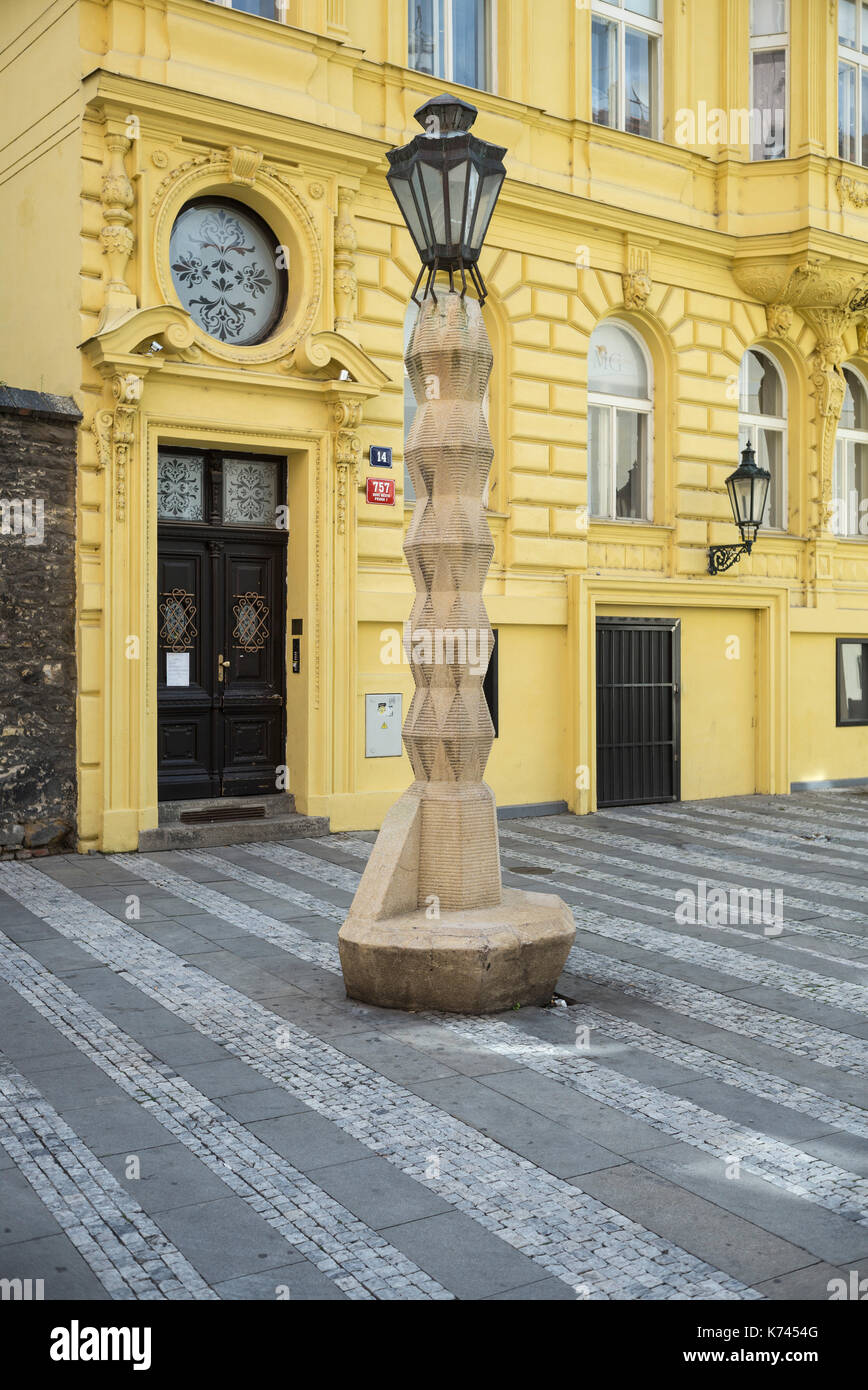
point(190, 1108)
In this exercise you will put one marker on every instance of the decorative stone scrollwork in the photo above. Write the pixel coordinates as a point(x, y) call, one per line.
point(829, 386)
point(114, 433)
point(116, 235)
point(851, 193)
point(346, 284)
point(347, 415)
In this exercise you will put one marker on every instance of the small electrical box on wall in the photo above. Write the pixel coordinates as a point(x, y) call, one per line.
point(383, 726)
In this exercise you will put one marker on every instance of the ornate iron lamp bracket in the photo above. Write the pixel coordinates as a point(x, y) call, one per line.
point(721, 557)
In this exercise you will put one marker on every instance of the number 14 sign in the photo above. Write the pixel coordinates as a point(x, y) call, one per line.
point(381, 491)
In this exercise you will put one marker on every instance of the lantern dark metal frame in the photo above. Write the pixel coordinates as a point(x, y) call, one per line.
point(443, 149)
point(721, 557)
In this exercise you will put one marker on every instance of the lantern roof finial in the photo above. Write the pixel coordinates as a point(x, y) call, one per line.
point(445, 115)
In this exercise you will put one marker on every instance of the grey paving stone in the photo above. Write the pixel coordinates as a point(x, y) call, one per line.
point(224, 1078)
point(22, 1215)
point(223, 1239)
point(303, 1280)
point(373, 1191)
point(747, 1251)
point(308, 1140)
point(543, 1291)
point(266, 1104)
point(754, 1111)
point(170, 1176)
point(390, 1056)
point(808, 1285)
point(110, 1124)
point(581, 1115)
point(552, 1145)
point(466, 1259)
point(55, 1260)
point(821, 1233)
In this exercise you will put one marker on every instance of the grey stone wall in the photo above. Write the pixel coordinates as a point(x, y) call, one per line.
point(37, 622)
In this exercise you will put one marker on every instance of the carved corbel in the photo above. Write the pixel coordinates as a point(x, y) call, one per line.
point(116, 235)
point(244, 164)
point(636, 279)
point(828, 380)
point(346, 284)
point(347, 416)
point(779, 320)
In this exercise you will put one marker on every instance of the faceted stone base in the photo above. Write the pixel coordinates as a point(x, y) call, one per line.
point(473, 961)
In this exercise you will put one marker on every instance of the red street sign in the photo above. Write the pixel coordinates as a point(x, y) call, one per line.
point(381, 491)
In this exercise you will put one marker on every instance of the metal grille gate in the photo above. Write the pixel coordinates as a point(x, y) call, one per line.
point(638, 727)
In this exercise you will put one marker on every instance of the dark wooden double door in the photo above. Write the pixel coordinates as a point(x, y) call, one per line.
point(222, 662)
point(638, 711)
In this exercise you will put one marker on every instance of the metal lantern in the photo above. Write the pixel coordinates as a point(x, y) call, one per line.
point(446, 183)
point(748, 489)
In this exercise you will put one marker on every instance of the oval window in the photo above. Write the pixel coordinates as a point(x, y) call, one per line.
point(227, 271)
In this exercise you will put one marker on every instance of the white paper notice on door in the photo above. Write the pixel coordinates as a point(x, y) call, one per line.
point(177, 668)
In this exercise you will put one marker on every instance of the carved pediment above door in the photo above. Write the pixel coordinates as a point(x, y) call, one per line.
point(326, 356)
point(162, 329)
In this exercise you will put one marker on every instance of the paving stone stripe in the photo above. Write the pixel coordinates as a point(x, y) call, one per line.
point(777, 1161)
point(357, 1259)
point(825, 1046)
point(770, 827)
point(126, 1250)
point(684, 855)
point(568, 1233)
point(712, 877)
point(771, 841)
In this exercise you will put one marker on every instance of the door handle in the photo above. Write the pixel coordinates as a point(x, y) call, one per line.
point(221, 665)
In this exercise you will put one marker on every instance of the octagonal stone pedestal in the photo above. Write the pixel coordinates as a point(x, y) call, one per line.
point(470, 960)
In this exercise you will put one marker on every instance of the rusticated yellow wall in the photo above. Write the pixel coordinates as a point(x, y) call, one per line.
point(713, 239)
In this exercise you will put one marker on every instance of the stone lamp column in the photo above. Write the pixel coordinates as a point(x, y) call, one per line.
point(430, 925)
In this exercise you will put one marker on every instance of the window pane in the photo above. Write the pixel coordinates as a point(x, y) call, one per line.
point(646, 7)
point(864, 153)
point(761, 391)
point(616, 366)
point(630, 464)
point(854, 414)
point(768, 17)
point(426, 36)
point(847, 112)
point(847, 23)
point(470, 42)
point(249, 492)
point(599, 460)
point(770, 455)
point(768, 117)
point(179, 487)
point(860, 488)
point(852, 682)
point(266, 8)
point(640, 57)
point(604, 72)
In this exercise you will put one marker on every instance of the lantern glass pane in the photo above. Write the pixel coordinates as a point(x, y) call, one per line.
point(457, 182)
point(487, 199)
point(433, 181)
point(472, 200)
point(416, 183)
point(406, 202)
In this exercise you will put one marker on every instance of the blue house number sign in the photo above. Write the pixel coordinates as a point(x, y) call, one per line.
point(381, 457)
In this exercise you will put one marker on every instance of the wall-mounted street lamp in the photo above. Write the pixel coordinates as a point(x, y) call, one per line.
point(748, 488)
point(446, 184)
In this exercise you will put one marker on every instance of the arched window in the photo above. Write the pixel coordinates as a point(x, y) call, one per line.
point(762, 420)
point(851, 457)
point(410, 409)
point(619, 424)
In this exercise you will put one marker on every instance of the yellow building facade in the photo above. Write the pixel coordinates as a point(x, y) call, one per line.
point(119, 115)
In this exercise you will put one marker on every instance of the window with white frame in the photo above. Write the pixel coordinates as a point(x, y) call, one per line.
point(619, 424)
point(452, 39)
point(853, 81)
point(762, 422)
point(768, 75)
point(850, 503)
point(626, 39)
